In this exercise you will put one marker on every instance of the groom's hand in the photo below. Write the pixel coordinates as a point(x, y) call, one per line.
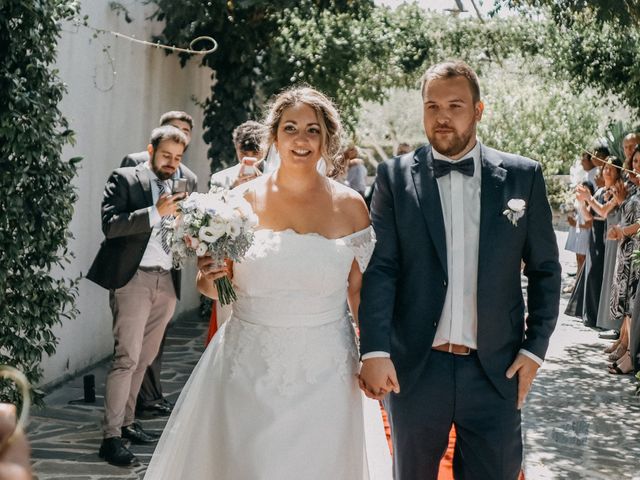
point(378, 377)
point(526, 369)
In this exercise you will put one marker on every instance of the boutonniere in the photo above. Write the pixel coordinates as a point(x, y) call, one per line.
point(515, 210)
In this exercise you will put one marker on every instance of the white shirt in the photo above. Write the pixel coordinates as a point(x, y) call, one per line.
point(227, 176)
point(460, 203)
point(154, 254)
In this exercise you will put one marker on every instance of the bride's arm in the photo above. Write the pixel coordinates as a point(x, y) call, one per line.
point(207, 274)
point(359, 213)
point(353, 290)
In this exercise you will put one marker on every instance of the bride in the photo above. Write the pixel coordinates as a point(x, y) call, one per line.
point(275, 395)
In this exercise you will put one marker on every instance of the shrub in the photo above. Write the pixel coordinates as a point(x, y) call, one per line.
point(37, 198)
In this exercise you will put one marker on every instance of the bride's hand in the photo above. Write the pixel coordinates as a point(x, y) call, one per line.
point(210, 270)
point(378, 377)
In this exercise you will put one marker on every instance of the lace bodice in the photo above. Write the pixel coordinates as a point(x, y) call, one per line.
point(293, 279)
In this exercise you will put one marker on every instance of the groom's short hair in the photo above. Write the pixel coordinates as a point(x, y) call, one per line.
point(451, 69)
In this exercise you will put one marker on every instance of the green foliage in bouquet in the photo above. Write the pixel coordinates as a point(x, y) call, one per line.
point(37, 198)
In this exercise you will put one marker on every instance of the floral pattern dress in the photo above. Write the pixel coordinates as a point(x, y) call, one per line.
point(625, 280)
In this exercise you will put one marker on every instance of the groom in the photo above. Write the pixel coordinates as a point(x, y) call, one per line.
point(442, 316)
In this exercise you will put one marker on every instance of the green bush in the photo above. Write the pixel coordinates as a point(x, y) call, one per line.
point(37, 198)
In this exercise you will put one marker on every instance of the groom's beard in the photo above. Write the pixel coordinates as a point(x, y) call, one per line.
point(454, 143)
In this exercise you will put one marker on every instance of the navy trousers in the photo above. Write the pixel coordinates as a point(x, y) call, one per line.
point(454, 389)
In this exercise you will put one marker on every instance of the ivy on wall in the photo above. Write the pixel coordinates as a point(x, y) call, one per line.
point(36, 203)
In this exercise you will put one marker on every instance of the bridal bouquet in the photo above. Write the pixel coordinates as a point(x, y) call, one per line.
point(218, 223)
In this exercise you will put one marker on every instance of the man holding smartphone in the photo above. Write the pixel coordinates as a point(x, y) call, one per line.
point(151, 401)
point(247, 139)
point(135, 263)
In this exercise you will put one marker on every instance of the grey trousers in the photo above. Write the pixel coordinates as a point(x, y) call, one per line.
point(151, 387)
point(141, 311)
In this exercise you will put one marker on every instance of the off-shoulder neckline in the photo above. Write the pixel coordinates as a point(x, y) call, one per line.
point(291, 231)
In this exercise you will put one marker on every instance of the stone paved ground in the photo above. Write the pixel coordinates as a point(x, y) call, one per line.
point(579, 421)
point(65, 436)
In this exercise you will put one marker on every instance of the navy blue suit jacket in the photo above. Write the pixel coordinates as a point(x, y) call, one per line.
point(406, 281)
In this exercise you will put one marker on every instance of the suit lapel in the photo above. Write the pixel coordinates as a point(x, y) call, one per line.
point(429, 199)
point(491, 201)
point(144, 178)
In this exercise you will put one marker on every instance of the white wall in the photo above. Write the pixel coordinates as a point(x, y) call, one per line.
point(113, 116)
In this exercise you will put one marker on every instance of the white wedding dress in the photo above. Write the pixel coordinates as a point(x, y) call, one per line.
point(275, 395)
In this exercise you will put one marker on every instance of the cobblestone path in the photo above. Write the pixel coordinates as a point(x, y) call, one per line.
point(579, 421)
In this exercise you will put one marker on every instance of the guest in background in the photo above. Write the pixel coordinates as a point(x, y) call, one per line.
point(135, 264)
point(591, 171)
point(247, 139)
point(629, 144)
point(604, 205)
point(579, 230)
point(181, 120)
point(151, 401)
point(576, 302)
point(626, 277)
point(356, 170)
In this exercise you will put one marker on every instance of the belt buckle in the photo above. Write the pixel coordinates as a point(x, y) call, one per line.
point(467, 353)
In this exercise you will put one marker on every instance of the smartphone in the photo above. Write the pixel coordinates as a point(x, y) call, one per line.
point(179, 185)
point(248, 166)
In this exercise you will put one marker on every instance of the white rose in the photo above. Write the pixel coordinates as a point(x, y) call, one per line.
point(209, 234)
point(234, 228)
point(516, 205)
point(201, 249)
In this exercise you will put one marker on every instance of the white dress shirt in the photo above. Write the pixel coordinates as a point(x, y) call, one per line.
point(460, 203)
point(227, 176)
point(154, 254)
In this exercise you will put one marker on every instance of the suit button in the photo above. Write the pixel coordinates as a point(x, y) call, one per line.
point(435, 324)
point(444, 283)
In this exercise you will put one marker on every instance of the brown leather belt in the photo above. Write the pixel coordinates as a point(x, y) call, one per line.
point(154, 270)
point(455, 349)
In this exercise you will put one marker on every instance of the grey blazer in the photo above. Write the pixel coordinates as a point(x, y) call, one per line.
point(125, 223)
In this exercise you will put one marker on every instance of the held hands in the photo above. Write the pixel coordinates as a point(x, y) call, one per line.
point(378, 377)
point(14, 456)
point(168, 204)
point(526, 369)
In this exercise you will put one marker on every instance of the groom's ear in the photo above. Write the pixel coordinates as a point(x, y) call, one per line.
point(479, 108)
point(150, 150)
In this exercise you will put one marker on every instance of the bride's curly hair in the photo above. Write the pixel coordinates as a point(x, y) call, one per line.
point(328, 119)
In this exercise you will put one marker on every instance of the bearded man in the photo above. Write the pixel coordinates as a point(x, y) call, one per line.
point(443, 333)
